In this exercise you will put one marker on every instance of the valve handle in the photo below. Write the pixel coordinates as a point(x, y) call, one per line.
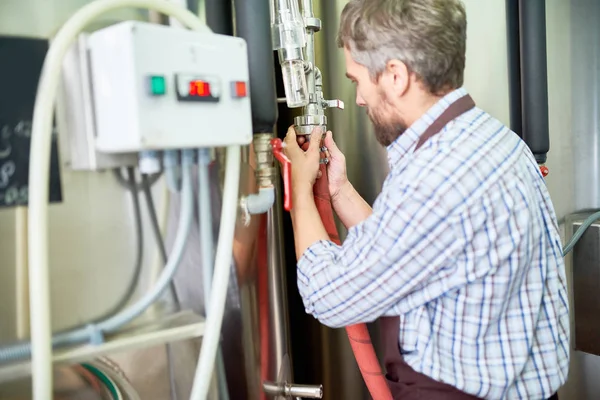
point(277, 146)
point(544, 170)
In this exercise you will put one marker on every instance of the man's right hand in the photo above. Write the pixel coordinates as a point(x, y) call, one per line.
point(336, 169)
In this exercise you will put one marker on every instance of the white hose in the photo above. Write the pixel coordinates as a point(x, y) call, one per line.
point(214, 320)
point(39, 168)
point(206, 248)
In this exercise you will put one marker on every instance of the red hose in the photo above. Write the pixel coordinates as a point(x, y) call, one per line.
point(358, 334)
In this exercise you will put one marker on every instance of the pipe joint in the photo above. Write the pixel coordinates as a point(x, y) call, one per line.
point(266, 173)
point(258, 203)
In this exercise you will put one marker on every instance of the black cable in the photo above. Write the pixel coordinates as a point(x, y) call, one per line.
point(138, 186)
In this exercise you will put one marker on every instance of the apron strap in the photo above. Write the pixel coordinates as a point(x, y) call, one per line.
point(455, 110)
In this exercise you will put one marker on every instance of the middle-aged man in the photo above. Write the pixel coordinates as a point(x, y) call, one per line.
point(461, 246)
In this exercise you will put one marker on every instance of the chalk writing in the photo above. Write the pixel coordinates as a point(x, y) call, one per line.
point(22, 61)
point(15, 195)
point(6, 171)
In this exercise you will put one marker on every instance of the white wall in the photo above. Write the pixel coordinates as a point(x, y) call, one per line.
point(486, 74)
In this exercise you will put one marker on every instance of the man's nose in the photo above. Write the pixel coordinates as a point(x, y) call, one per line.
point(360, 101)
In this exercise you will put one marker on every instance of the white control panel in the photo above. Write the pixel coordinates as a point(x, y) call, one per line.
point(156, 87)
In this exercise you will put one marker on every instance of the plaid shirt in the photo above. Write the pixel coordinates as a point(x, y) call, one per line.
point(463, 245)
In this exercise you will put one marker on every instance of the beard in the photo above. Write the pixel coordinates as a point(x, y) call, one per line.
point(387, 130)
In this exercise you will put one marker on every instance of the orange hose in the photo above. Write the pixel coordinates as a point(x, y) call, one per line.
point(358, 334)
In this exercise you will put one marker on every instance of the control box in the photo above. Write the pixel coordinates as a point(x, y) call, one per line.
point(157, 87)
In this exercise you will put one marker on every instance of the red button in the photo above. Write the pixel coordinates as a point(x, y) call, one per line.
point(240, 89)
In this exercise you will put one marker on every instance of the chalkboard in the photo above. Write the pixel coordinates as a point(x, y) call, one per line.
point(21, 61)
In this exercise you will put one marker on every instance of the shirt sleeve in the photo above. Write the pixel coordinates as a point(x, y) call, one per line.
point(396, 260)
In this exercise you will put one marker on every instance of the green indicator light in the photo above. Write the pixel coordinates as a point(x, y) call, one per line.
point(157, 85)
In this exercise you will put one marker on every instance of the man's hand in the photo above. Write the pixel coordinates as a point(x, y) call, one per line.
point(350, 207)
point(305, 164)
point(336, 169)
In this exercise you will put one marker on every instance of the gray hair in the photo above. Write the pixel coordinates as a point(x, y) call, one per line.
point(429, 36)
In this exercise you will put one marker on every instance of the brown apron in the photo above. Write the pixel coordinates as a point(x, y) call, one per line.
point(405, 383)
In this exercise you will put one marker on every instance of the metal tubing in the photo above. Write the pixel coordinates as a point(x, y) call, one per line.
point(534, 75)
point(253, 24)
point(514, 66)
point(293, 390)
point(307, 13)
point(305, 391)
point(219, 16)
point(279, 320)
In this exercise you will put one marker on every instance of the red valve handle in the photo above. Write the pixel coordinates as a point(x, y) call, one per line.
point(277, 146)
point(544, 170)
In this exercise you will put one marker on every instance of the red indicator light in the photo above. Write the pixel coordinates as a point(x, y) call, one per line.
point(240, 89)
point(199, 89)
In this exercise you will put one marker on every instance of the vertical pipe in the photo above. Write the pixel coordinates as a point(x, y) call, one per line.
point(277, 293)
point(219, 16)
point(534, 67)
point(514, 66)
point(307, 13)
point(253, 23)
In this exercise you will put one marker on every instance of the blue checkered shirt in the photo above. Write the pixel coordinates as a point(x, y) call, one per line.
point(463, 245)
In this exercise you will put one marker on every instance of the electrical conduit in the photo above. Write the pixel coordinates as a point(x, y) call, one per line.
point(43, 115)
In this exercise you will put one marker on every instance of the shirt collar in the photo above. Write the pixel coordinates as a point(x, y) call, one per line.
point(408, 140)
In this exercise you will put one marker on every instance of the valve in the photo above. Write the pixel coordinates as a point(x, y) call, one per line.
point(339, 104)
point(544, 170)
point(277, 146)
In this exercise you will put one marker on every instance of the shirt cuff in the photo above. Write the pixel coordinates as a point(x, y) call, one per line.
point(318, 256)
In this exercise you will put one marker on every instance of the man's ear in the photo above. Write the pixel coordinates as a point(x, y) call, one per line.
point(397, 77)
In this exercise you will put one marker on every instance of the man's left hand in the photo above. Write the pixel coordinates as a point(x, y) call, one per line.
point(305, 164)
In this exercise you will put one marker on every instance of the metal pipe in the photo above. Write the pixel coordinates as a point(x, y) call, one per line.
point(308, 14)
point(252, 23)
point(534, 67)
point(514, 66)
point(279, 320)
point(219, 16)
point(293, 390)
